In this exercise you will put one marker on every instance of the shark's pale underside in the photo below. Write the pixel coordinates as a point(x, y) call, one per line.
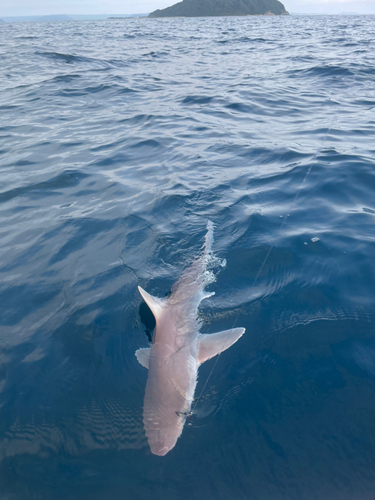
point(177, 351)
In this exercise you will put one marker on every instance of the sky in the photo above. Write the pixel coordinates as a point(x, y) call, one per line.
point(46, 7)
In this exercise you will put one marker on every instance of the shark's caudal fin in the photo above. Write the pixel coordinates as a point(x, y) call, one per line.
point(209, 239)
point(212, 344)
point(154, 303)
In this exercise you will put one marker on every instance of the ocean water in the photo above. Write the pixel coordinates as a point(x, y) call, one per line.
point(119, 140)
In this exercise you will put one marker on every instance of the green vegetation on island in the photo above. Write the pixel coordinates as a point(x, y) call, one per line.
point(203, 8)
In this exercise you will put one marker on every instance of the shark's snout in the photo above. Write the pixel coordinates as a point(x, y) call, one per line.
point(160, 449)
point(163, 440)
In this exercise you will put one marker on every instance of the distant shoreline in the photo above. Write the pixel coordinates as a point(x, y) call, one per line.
point(202, 17)
point(30, 19)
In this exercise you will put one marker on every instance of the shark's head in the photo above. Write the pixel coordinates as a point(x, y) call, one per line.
point(162, 440)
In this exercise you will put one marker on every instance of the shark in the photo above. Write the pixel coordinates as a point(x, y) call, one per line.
point(177, 350)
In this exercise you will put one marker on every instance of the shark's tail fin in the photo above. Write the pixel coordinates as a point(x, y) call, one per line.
point(209, 238)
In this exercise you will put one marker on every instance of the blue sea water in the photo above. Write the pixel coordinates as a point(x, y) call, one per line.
point(118, 141)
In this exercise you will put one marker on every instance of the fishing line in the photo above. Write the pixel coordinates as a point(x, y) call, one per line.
point(255, 280)
point(261, 267)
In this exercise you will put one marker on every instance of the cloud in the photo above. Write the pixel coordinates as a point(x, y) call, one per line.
point(45, 7)
point(330, 6)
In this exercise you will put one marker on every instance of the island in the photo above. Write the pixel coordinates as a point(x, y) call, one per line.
point(205, 8)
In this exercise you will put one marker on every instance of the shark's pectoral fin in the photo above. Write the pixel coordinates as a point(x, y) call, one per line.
point(214, 343)
point(154, 303)
point(143, 356)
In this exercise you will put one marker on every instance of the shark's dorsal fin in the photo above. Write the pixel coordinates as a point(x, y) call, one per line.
point(215, 343)
point(143, 356)
point(154, 303)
